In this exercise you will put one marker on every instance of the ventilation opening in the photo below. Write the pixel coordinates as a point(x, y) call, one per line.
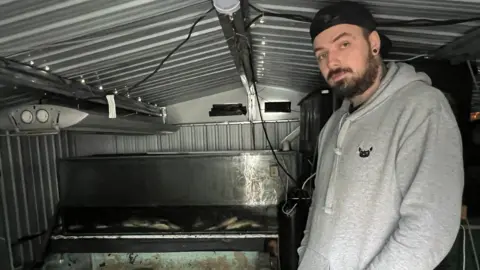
point(278, 107)
point(227, 110)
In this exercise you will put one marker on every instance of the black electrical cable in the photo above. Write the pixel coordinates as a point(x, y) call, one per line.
point(173, 51)
point(39, 257)
point(136, 85)
point(294, 17)
point(428, 22)
point(249, 48)
point(253, 21)
point(148, 76)
point(27, 238)
point(263, 124)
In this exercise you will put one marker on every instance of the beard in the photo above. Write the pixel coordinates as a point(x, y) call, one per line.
point(356, 85)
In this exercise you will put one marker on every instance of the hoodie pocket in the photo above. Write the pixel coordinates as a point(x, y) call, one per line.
point(313, 260)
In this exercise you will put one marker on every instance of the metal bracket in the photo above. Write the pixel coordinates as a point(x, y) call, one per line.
point(239, 43)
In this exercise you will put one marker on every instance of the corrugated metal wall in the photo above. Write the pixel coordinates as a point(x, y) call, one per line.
point(28, 187)
point(190, 138)
point(28, 179)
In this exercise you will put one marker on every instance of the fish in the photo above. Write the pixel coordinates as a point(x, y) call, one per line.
point(172, 226)
point(242, 224)
point(228, 222)
point(101, 226)
point(75, 227)
point(198, 223)
point(132, 223)
point(224, 224)
point(160, 224)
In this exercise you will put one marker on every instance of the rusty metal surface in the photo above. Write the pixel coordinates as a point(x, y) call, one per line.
point(160, 261)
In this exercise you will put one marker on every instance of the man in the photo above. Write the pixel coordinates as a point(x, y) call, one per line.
point(390, 171)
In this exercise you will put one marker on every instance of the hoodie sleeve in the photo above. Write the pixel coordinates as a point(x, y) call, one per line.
point(430, 176)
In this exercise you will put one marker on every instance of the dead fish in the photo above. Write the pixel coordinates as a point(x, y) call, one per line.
point(228, 222)
point(174, 227)
point(132, 223)
point(198, 223)
point(160, 226)
point(212, 228)
point(170, 225)
point(242, 224)
point(75, 227)
point(164, 226)
point(225, 223)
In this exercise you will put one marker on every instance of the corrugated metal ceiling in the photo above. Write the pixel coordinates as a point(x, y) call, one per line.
point(115, 44)
point(283, 50)
point(15, 96)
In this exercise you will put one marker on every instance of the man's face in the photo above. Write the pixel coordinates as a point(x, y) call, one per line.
point(344, 55)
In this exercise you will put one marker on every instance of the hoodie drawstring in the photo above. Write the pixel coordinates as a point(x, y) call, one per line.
point(329, 199)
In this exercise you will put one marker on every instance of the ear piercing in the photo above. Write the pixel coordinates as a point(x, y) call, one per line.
point(375, 51)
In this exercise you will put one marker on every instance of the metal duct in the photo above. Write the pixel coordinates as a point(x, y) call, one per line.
point(47, 119)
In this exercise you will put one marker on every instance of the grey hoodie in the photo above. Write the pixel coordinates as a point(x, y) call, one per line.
point(389, 181)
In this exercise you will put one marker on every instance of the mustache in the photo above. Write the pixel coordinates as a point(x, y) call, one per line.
point(336, 71)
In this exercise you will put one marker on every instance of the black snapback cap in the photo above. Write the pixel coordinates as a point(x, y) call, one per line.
point(347, 12)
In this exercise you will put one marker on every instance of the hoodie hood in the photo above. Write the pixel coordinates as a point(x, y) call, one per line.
point(397, 77)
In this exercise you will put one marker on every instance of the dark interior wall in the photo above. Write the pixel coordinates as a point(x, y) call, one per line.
point(472, 174)
point(315, 110)
point(456, 82)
